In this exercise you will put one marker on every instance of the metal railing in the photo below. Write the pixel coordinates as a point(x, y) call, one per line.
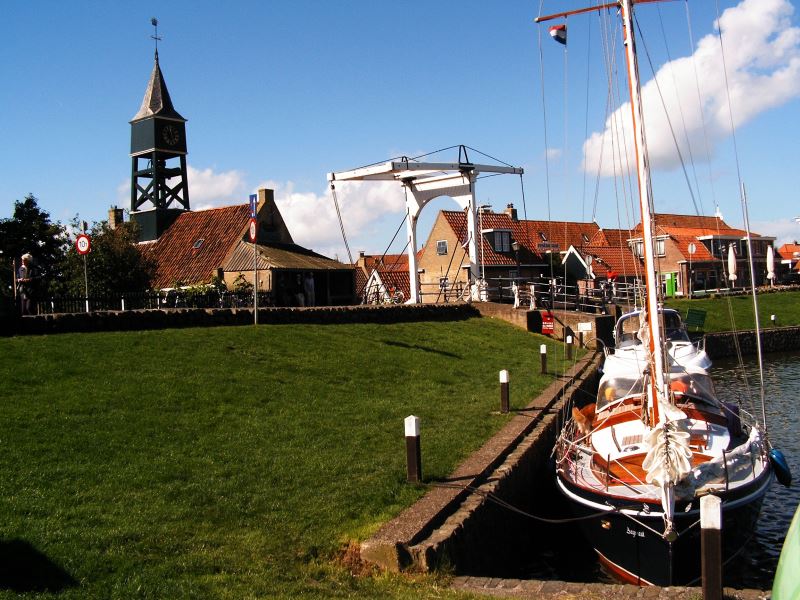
point(149, 301)
point(556, 294)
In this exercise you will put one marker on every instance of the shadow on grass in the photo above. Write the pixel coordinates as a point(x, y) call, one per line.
point(24, 569)
point(418, 347)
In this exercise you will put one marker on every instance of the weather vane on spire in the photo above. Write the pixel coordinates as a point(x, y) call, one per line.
point(155, 36)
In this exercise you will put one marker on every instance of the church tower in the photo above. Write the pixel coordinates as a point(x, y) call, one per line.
point(158, 155)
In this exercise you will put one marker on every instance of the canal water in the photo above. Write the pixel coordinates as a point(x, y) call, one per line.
point(756, 565)
point(560, 552)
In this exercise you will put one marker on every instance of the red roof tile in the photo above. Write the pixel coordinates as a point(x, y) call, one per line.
point(457, 220)
point(396, 279)
point(701, 253)
point(619, 260)
point(563, 233)
point(389, 262)
point(789, 251)
point(611, 237)
point(180, 262)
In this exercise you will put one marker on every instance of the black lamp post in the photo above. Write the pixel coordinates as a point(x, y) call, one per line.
point(515, 247)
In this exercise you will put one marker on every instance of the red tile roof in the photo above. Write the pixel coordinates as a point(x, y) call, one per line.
point(789, 251)
point(611, 237)
point(457, 220)
point(701, 253)
point(396, 279)
point(390, 262)
point(361, 282)
point(695, 225)
point(563, 233)
point(180, 262)
point(616, 260)
point(710, 224)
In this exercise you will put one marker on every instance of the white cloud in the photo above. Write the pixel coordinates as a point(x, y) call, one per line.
point(786, 231)
point(762, 55)
point(553, 153)
point(312, 220)
point(208, 189)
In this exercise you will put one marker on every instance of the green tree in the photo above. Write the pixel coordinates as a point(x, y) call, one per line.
point(115, 264)
point(30, 230)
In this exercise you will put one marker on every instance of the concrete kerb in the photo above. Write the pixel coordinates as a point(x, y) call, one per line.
point(419, 537)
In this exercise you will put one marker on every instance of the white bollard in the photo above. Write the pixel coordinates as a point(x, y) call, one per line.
point(413, 455)
point(503, 391)
point(711, 546)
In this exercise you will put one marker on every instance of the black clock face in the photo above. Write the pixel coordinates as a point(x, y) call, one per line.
point(171, 135)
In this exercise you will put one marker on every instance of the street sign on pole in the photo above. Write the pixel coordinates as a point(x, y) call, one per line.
point(253, 239)
point(253, 205)
point(83, 244)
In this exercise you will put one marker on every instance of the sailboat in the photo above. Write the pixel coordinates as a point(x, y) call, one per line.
point(635, 463)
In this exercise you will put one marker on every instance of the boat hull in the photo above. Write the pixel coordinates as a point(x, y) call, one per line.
point(631, 547)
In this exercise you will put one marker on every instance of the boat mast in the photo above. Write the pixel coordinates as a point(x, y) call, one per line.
point(657, 365)
point(645, 204)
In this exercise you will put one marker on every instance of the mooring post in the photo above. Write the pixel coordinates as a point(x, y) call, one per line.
point(569, 347)
point(773, 319)
point(123, 304)
point(543, 354)
point(711, 546)
point(413, 455)
point(504, 391)
point(580, 339)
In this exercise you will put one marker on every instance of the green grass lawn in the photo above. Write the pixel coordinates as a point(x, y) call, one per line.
point(726, 313)
point(235, 462)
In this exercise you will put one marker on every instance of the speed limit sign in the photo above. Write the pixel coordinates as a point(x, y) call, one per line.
point(83, 244)
point(253, 228)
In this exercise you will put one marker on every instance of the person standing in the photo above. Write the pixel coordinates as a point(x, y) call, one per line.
point(308, 289)
point(25, 284)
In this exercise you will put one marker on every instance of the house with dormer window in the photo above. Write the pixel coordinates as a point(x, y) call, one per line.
point(206, 245)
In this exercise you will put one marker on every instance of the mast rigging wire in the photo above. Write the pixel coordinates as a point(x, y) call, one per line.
point(341, 222)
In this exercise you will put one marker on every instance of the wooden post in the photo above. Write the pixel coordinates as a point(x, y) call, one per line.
point(580, 339)
point(543, 353)
point(773, 319)
point(711, 546)
point(504, 391)
point(413, 455)
point(569, 347)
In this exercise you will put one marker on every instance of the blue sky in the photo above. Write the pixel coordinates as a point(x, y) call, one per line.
point(279, 93)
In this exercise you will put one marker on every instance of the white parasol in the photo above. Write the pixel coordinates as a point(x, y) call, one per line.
point(770, 265)
point(731, 263)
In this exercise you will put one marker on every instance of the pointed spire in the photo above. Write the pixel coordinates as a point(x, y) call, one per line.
point(156, 98)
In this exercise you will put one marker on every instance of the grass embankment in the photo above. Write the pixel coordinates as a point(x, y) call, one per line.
point(729, 313)
point(235, 462)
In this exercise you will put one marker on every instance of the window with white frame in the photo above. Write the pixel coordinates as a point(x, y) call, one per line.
point(502, 241)
point(441, 247)
point(661, 247)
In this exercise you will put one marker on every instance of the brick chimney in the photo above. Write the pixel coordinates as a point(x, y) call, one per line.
point(115, 217)
point(511, 212)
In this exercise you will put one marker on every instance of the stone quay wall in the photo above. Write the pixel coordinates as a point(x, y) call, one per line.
point(775, 339)
point(206, 317)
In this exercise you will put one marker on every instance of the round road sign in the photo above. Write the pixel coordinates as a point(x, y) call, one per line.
point(252, 230)
point(83, 244)
point(692, 248)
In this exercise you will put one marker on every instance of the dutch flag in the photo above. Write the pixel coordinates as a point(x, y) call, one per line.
point(559, 33)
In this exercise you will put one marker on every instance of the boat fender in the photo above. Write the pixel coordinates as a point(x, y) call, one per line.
point(734, 420)
point(782, 471)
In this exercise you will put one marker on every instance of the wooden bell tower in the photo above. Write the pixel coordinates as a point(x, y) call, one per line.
point(158, 159)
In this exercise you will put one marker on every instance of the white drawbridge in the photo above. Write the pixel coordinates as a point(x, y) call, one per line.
point(425, 181)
